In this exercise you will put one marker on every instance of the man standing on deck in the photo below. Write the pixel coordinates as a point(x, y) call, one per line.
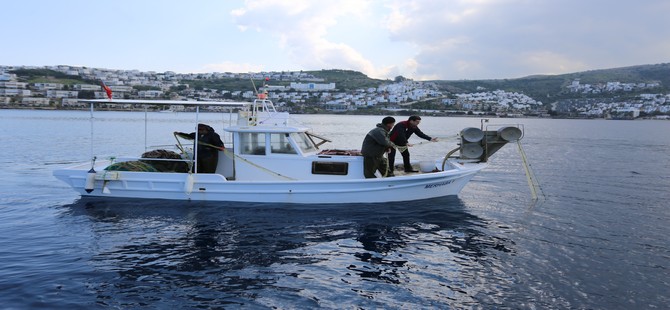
point(375, 144)
point(399, 135)
point(208, 155)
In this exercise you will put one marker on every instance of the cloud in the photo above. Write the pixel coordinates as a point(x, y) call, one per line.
point(301, 31)
point(421, 39)
point(514, 38)
point(456, 39)
point(548, 62)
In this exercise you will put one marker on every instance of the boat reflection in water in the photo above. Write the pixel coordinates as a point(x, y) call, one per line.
point(209, 254)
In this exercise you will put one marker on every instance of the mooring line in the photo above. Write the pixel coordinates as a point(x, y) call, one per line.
point(533, 183)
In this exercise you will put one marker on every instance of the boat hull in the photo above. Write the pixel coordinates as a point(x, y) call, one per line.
point(214, 187)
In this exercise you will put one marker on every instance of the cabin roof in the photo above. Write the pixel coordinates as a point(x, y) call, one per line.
point(267, 129)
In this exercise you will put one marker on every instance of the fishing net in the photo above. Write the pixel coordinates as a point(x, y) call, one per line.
point(341, 152)
point(131, 166)
point(150, 164)
point(165, 165)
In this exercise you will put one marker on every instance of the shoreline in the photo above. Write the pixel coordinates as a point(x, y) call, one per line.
point(340, 113)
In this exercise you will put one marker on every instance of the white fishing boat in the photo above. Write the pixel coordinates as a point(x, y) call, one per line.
point(271, 160)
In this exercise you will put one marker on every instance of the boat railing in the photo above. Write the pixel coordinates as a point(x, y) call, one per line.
point(263, 110)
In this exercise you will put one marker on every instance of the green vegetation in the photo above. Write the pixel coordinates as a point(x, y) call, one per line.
point(50, 76)
point(551, 87)
point(634, 74)
point(54, 80)
point(86, 94)
point(32, 73)
point(145, 87)
point(429, 105)
point(537, 88)
point(229, 84)
point(347, 80)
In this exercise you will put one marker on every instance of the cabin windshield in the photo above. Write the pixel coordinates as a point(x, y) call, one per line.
point(303, 142)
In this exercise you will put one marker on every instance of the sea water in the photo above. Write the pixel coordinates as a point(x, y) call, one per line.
point(599, 237)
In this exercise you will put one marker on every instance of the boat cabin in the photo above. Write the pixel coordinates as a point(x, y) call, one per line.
point(271, 150)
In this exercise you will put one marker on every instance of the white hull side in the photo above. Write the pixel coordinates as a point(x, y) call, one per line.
point(214, 187)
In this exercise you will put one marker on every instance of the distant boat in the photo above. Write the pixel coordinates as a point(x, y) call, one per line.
point(273, 161)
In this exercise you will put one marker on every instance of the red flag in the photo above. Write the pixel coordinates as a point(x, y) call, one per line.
point(107, 90)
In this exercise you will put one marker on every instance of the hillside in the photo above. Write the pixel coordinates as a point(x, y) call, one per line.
point(49, 76)
point(541, 87)
point(346, 79)
point(227, 84)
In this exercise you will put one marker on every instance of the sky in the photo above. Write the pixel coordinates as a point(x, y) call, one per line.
point(418, 39)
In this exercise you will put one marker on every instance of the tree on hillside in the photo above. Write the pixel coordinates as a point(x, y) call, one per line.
point(399, 79)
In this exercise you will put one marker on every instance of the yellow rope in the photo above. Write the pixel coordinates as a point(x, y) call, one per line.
point(440, 139)
point(533, 184)
point(233, 155)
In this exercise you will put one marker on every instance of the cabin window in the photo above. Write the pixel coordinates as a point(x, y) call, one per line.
point(280, 144)
point(305, 144)
point(252, 143)
point(333, 168)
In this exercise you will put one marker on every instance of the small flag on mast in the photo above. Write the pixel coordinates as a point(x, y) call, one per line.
point(107, 90)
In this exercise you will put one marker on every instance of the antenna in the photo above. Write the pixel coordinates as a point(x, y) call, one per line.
point(482, 121)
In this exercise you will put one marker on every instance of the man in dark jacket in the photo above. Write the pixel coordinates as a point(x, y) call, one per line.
point(209, 145)
point(375, 144)
point(399, 135)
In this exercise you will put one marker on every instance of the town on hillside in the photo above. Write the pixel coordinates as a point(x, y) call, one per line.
point(61, 87)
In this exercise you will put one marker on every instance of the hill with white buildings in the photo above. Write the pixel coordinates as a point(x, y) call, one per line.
point(624, 95)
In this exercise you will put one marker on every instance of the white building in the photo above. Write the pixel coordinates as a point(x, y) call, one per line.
point(312, 86)
point(150, 93)
point(62, 94)
point(90, 87)
point(13, 85)
point(32, 101)
point(72, 103)
point(628, 111)
point(15, 92)
point(48, 86)
point(122, 89)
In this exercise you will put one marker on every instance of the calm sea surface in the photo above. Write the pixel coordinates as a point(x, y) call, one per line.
point(600, 239)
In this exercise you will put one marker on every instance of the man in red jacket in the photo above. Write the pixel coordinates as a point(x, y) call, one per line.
point(399, 135)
